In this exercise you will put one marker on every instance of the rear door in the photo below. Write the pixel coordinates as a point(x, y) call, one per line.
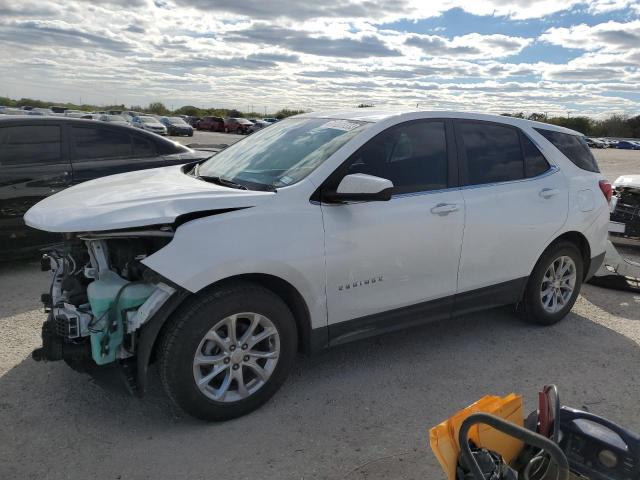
point(33, 165)
point(515, 202)
point(98, 151)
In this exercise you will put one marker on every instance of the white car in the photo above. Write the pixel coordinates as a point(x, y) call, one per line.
point(321, 229)
point(149, 123)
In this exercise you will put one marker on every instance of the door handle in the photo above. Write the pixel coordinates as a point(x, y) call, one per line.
point(443, 209)
point(549, 192)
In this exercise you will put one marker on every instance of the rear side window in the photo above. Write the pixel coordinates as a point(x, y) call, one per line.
point(30, 144)
point(493, 152)
point(143, 147)
point(573, 147)
point(101, 143)
point(534, 162)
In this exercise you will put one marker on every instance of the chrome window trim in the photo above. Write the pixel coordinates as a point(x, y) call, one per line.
point(551, 171)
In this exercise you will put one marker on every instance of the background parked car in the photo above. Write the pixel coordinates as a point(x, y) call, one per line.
point(74, 113)
point(270, 119)
point(14, 111)
point(193, 121)
point(236, 125)
point(213, 124)
point(258, 125)
point(177, 126)
point(114, 119)
point(40, 156)
point(129, 115)
point(628, 145)
point(149, 123)
point(595, 143)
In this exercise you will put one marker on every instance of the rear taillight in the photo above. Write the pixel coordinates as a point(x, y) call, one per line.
point(606, 188)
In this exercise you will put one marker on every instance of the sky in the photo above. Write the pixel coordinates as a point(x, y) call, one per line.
point(550, 56)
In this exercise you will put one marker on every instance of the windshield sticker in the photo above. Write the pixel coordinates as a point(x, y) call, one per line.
point(286, 180)
point(344, 125)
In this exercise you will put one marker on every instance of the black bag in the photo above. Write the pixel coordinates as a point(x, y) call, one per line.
point(491, 464)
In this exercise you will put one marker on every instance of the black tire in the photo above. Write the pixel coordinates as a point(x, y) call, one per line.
point(532, 307)
point(187, 328)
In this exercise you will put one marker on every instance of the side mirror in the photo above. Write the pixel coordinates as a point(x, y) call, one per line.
point(359, 187)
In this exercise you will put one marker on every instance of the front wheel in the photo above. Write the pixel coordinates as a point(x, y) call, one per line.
point(554, 284)
point(226, 352)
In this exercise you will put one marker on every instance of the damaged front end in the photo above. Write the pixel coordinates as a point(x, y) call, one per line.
point(625, 211)
point(103, 301)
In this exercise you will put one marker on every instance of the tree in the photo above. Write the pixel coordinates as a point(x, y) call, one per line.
point(285, 112)
point(188, 110)
point(538, 117)
point(157, 108)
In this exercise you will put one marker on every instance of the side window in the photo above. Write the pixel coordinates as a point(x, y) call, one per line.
point(143, 147)
point(492, 151)
point(534, 162)
point(103, 143)
point(30, 144)
point(573, 147)
point(412, 155)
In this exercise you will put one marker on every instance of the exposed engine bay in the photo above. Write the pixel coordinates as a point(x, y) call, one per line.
point(625, 210)
point(101, 295)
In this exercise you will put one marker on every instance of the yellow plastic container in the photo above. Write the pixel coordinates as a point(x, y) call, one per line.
point(443, 438)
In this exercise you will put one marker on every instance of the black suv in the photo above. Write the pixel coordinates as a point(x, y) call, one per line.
point(40, 156)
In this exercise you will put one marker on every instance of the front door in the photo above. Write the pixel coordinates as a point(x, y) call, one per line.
point(390, 264)
point(33, 165)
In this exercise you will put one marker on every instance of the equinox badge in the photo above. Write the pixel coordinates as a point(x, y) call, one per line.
point(359, 283)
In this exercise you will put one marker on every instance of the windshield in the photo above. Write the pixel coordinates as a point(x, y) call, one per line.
point(177, 121)
point(148, 119)
point(284, 153)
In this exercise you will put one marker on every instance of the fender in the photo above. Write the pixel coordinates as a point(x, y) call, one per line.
point(148, 335)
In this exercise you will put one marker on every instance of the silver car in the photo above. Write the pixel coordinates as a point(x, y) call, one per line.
point(149, 123)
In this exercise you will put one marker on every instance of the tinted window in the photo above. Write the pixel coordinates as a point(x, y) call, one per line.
point(493, 152)
point(412, 155)
point(94, 142)
point(30, 144)
point(534, 162)
point(573, 147)
point(143, 147)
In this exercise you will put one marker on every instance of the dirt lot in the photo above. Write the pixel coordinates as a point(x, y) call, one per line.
point(360, 411)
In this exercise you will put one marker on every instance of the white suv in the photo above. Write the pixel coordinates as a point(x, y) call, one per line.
point(321, 229)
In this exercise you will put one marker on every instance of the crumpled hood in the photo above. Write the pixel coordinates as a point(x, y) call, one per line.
point(632, 181)
point(135, 199)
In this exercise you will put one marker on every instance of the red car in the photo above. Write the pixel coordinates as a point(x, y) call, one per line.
point(237, 125)
point(213, 124)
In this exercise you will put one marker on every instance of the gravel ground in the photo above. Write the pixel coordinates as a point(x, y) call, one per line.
point(360, 411)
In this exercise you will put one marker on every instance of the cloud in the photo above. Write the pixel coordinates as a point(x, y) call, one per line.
point(610, 36)
point(352, 46)
point(322, 54)
point(58, 33)
point(382, 11)
point(471, 45)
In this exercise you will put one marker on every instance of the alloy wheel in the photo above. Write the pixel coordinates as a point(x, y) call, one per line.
point(236, 357)
point(558, 284)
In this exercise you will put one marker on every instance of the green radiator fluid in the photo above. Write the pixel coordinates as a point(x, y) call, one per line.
point(108, 327)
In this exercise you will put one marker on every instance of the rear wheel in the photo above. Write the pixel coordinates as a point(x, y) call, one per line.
point(554, 284)
point(227, 352)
